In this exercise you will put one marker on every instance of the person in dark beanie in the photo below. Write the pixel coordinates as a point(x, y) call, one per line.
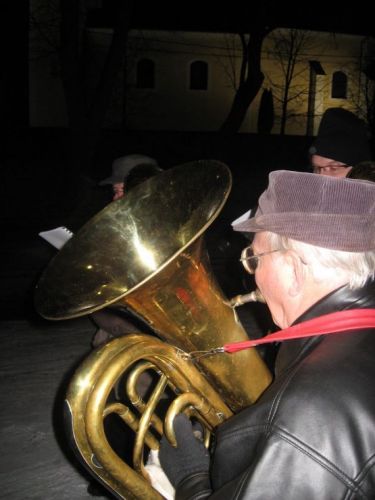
point(341, 143)
point(311, 434)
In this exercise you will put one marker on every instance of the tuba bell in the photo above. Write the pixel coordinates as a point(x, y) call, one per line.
point(146, 253)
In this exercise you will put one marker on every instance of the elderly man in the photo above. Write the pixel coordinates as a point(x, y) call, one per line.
point(311, 435)
point(341, 143)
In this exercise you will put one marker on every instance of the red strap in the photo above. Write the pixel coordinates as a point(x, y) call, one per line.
point(337, 322)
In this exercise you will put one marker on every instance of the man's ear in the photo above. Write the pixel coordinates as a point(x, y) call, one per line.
point(297, 273)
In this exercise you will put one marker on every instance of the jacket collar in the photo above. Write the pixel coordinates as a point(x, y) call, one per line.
point(339, 300)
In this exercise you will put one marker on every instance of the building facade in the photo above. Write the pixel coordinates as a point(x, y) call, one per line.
point(186, 81)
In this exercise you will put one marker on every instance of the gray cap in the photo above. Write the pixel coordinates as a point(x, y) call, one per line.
point(328, 212)
point(123, 165)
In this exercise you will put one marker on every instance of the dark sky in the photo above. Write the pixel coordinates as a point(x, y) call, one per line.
point(237, 15)
point(234, 15)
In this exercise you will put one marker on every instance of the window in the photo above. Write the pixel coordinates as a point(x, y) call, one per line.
point(339, 85)
point(198, 75)
point(145, 74)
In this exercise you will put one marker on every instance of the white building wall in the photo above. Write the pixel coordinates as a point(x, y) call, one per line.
point(171, 105)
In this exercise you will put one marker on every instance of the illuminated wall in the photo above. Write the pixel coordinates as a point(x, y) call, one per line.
point(170, 103)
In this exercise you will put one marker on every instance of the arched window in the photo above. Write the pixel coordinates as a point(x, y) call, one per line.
point(339, 85)
point(198, 75)
point(145, 74)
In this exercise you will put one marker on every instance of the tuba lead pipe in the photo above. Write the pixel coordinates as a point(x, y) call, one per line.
point(239, 300)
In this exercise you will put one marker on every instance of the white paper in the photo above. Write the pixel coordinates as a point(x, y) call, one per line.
point(57, 237)
point(158, 478)
point(242, 218)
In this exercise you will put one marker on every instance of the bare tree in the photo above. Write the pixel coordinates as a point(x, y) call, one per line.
point(266, 115)
point(60, 27)
point(361, 85)
point(251, 76)
point(368, 83)
point(250, 79)
point(289, 81)
point(86, 116)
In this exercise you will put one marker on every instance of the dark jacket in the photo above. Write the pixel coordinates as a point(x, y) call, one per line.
point(311, 436)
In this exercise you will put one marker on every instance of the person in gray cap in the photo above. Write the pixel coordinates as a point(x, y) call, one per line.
point(311, 434)
point(122, 168)
point(341, 143)
point(127, 172)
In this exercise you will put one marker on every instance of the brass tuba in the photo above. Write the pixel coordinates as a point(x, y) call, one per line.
point(146, 252)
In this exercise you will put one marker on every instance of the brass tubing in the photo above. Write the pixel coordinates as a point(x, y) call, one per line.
point(87, 398)
point(132, 421)
point(144, 424)
point(200, 404)
point(135, 399)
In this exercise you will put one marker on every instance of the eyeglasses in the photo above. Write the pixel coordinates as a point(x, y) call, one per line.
point(250, 261)
point(334, 169)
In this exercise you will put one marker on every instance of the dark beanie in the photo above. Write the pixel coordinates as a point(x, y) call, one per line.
point(343, 137)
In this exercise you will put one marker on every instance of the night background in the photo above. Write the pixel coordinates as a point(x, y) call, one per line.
point(50, 178)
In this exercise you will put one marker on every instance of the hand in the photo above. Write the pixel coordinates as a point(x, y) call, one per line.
point(189, 457)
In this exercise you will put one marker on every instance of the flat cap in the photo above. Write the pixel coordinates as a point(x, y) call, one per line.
point(328, 212)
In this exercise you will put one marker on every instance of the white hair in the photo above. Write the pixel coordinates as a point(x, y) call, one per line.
point(355, 267)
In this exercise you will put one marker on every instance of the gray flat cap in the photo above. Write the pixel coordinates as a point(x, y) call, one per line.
point(329, 212)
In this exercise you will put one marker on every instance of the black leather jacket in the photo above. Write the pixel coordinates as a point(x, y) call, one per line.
point(311, 435)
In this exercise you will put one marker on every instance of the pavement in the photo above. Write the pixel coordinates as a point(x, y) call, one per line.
point(37, 362)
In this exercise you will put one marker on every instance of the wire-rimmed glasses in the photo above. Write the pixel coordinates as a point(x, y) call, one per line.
point(250, 260)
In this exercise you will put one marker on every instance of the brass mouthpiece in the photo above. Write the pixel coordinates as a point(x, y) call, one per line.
point(254, 296)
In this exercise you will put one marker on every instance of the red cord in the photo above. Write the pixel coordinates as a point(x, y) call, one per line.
point(337, 322)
